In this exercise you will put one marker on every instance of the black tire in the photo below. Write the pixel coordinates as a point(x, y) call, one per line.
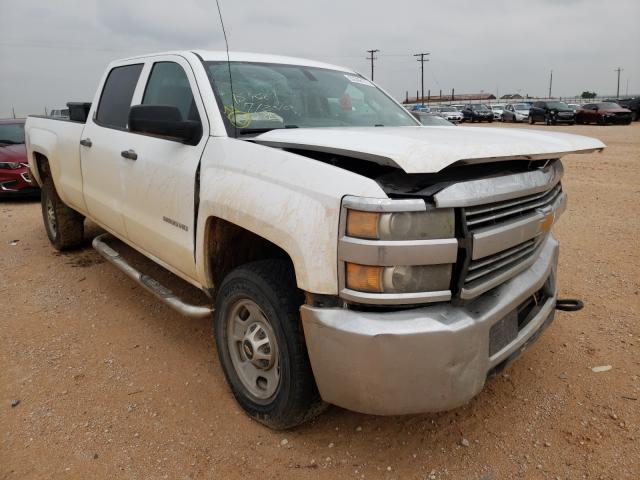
point(64, 226)
point(270, 284)
point(531, 120)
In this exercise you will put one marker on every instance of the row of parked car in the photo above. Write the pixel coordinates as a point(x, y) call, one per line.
point(550, 112)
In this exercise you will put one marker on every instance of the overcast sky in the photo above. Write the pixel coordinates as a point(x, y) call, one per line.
point(54, 51)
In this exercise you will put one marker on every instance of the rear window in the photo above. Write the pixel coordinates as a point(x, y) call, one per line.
point(115, 101)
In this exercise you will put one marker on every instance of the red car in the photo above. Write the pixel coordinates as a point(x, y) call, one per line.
point(603, 113)
point(14, 172)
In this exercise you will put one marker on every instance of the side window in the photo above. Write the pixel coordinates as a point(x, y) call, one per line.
point(168, 85)
point(115, 100)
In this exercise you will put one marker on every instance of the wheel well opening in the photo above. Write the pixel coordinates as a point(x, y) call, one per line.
point(42, 165)
point(229, 246)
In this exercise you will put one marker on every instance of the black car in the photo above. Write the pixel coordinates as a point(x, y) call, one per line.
point(551, 113)
point(477, 113)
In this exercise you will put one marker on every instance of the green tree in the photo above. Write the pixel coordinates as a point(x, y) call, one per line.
point(587, 94)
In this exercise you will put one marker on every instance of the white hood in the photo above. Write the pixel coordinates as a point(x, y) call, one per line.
point(430, 149)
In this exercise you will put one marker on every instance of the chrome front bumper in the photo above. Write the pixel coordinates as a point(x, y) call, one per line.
point(422, 360)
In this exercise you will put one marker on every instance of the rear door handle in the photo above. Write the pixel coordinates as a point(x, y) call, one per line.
point(130, 154)
point(86, 142)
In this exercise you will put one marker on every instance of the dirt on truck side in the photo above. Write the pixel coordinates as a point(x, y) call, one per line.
point(99, 380)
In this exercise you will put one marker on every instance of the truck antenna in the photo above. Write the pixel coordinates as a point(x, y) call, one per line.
point(226, 42)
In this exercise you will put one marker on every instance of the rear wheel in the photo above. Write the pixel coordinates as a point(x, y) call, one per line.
point(64, 226)
point(261, 344)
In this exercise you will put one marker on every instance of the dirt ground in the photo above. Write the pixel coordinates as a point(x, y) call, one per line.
point(112, 384)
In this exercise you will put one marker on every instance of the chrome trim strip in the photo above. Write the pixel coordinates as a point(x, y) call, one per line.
point(490, 240)
point(394, 298)
point(496, 189)
point(383, 204)
point(468, 293)
point(392, 253)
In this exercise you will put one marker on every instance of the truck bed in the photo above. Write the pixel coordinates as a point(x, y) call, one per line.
point(61, 139)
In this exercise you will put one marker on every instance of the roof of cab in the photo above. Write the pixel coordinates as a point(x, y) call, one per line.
point(221, 55)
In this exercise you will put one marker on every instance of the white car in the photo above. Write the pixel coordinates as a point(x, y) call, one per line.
point(349, 255)
point(516, 112)
point(497, 111)
point(449, 113)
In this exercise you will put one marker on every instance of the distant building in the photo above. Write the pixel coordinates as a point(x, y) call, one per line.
point(463, 97)
point(512, 96)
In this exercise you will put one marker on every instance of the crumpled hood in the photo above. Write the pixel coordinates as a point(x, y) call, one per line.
point(431, 149)
point(13, 153)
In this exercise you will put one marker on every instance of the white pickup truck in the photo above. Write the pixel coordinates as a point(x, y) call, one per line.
point(352, 256)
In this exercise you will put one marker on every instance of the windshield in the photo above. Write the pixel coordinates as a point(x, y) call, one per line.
point(447, 109)
point(481, 107)
point(605, 105)
point(522, 106)
point(11, 133)
point(268, 96)
point(557, 105)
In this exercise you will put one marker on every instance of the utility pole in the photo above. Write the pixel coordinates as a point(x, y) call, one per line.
point(422, 60)
point(13, 112)
point(372, 58)
point(618, 89)
point(550, 83)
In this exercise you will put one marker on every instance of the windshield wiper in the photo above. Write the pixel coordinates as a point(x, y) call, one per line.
point(249, 131)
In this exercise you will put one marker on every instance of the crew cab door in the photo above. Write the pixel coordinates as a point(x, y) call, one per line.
point(103, 138)
point(159, 177)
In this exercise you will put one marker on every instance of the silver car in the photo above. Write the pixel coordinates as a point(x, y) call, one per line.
point(516, 112)
point(449, 113)
point(497, 111)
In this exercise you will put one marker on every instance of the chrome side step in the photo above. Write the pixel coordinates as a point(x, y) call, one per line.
point(149, 283)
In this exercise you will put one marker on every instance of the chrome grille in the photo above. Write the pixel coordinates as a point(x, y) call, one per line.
point(522, 214)
point(504, 262)
point(494, 213)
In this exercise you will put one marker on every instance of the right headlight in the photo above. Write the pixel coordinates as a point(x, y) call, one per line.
point(396, 251)
point(398, 279)
point(400, 225)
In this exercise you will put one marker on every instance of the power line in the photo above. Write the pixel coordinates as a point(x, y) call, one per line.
point(422, 60)
point(372, 58)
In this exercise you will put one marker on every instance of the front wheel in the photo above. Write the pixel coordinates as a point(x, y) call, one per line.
point(64, 226)
point(261, 344)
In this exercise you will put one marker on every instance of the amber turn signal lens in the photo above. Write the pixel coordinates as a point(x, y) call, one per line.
point(364, 278)
point(362, 224)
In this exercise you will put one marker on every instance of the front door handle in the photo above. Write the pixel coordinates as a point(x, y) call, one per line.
point(130, 154)
point(86, 142)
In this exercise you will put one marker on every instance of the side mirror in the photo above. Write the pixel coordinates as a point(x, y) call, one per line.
point(164, 121)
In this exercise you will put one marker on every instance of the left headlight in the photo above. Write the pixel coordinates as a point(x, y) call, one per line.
point(11, 165)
